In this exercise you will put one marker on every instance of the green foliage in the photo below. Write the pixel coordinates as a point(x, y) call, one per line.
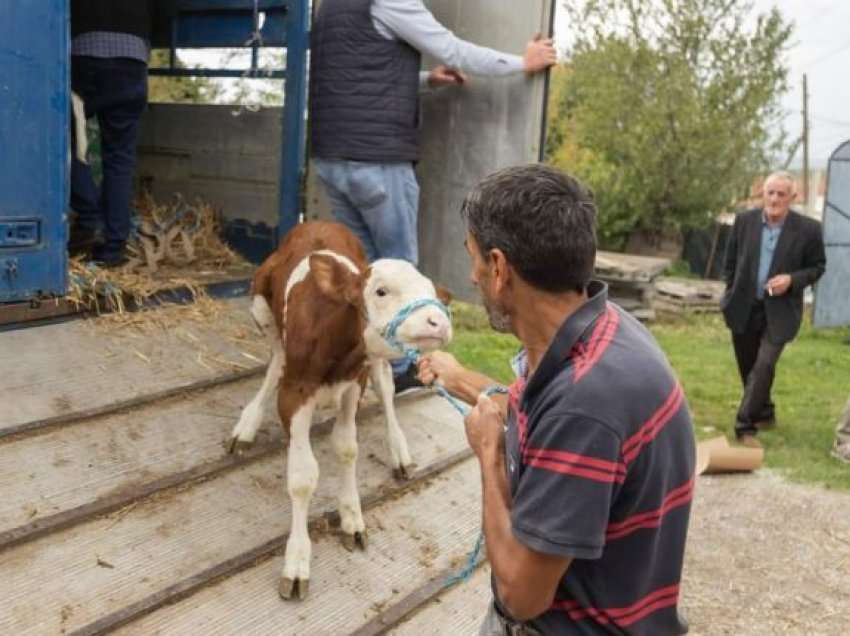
point(680, 269)
point(810, 390)
point(179, 90)
point(669, 108)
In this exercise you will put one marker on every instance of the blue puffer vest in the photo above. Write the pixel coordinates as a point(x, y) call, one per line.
point(364, 88)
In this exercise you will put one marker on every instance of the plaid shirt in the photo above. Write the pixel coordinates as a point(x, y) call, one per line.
point(107, 45)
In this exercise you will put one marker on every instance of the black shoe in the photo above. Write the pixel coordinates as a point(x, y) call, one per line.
point(109, 257)
point(407, 381)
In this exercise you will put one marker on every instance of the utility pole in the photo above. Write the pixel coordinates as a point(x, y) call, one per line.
point(805, 143)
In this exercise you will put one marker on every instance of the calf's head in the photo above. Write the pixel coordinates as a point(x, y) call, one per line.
point(394, 286)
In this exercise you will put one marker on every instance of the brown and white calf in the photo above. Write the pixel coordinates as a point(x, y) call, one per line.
point(324, 310)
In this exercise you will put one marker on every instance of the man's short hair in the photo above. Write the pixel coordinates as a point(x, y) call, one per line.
point(542, 219)
point(785, 176)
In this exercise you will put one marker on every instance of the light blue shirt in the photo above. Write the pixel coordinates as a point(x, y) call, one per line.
point(769, 239)
point(410, 21)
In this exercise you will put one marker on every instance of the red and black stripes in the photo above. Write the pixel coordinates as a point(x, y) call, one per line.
point(586, 355)
point(650, 429)
point(676, 498)
point(623, 616)
point(575, 464)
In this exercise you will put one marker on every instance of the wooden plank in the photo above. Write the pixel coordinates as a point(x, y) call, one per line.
point(459, 610)
point(14, 313)
point(58, 373)
point(101, 466)
point(629, 267)
point(406, 549)
point(72, 580)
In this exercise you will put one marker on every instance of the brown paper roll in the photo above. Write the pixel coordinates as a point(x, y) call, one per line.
point(716, 456)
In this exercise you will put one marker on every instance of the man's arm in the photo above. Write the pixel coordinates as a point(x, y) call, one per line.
point(814, 263)
point(465, 384)
point(410, 21)
point(526, 580)
point(814, 260)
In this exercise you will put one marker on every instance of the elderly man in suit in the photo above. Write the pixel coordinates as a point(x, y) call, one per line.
point(772, 256)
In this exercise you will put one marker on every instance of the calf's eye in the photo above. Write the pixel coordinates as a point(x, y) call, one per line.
point(382, 291)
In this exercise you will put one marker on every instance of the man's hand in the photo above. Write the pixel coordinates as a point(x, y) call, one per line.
point(443, 75)
point(778, 285)
point(441, 367)
point(485, 430)
point(540, 54)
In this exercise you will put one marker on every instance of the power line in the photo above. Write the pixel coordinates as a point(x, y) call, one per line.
point(826, 56)
point(820, 16)
point(827, 120)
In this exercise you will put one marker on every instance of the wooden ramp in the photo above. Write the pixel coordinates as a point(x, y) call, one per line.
point(121, 511)
point(61, 373)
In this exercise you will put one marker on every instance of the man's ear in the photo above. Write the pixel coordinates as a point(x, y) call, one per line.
point(444, 295)
point(501, 271)
point(334, 280)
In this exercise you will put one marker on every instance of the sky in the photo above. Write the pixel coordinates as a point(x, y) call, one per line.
point(819, 47)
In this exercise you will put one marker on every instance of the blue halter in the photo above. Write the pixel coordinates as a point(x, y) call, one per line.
point(411, 353)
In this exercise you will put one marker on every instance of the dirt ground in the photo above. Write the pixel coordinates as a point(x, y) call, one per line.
point(767, 557)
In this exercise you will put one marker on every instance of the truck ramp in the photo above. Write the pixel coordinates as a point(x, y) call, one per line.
point(124, 513)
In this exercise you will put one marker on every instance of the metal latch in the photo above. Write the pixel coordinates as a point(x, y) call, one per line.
point(10, 268)
point(19, 233)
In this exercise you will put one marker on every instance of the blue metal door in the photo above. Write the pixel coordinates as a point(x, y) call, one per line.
point(34, 148)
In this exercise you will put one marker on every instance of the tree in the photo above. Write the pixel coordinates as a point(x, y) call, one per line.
point(668, 108)
point(179, 90)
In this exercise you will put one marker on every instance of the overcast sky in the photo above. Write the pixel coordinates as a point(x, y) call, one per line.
point(820, 47)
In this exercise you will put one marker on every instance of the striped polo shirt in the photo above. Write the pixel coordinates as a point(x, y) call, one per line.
point(600, 458)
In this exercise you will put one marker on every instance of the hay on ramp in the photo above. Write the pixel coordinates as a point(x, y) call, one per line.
point(177, 245)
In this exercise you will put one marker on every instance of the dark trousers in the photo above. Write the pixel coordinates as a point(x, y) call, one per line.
point(115, 91)
point(757, 357)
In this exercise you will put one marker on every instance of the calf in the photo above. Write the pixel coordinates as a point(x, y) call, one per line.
point(326, 313)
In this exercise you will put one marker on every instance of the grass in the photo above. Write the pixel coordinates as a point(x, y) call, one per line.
point(810, 390)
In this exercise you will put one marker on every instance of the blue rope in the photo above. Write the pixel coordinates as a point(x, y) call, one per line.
point(414, 355)
point(469, 566)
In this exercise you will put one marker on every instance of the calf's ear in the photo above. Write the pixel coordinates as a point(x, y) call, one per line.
point(334, 280)
point(444, 295)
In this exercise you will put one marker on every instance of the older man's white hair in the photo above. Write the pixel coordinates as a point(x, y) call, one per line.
point(783, 175)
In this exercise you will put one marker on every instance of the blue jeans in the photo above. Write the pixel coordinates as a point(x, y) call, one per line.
point(379, 202)
point(115, 90)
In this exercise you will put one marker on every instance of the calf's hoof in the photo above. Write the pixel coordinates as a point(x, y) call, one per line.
point(290, 589)
point(352, 541)
point(237, 445)
point(404, 473)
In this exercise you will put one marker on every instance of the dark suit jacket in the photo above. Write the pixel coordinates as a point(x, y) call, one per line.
point(799, 252)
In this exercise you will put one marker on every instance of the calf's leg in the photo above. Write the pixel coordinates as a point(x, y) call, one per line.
point(344, 441)
point(382, 379)
point(252, 415)
point(302, 475)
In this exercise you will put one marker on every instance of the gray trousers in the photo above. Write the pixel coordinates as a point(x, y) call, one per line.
point(496, 625)
point(842, 436)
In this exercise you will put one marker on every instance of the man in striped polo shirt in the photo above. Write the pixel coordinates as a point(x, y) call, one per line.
point(588, 464)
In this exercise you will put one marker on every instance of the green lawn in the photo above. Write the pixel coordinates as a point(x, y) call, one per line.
point(812, 385)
